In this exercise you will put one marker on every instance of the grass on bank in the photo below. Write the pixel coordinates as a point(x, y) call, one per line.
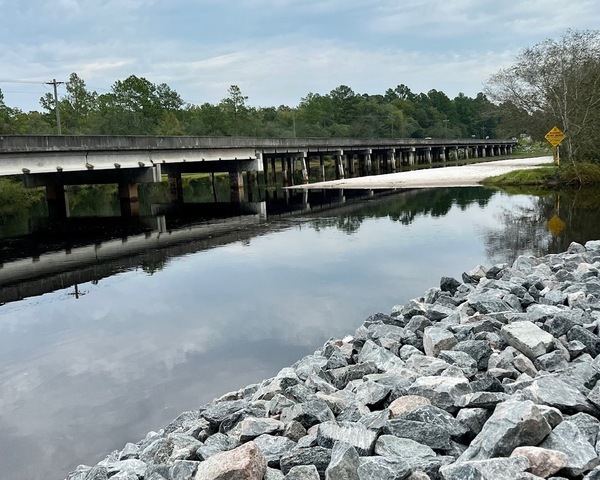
point(549, 176)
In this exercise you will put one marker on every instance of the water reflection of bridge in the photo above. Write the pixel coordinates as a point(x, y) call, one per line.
point(59, 254)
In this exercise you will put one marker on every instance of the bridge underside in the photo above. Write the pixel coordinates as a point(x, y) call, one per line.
point(56, 161)
point(127, 170)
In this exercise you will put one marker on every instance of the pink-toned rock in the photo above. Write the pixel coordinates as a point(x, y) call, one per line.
point(544, 462)
point(244, 463)
point(403, 405)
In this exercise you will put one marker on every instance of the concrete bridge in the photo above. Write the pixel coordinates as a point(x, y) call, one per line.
point(56, 161)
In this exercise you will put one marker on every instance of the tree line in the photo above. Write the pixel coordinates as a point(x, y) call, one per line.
point(556, 82)
point(136, 106)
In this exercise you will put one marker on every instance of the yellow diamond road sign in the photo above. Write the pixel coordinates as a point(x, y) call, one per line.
point(555, 136)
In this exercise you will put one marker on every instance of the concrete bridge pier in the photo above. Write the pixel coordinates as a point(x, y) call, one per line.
point(367, 162)
point(466, 152)
point(411, 156)
point(236, 186)
point(322, 167)
point(284, 172)
point(129, 200)
point(273, 175)
point(475, 152)
point(428, 156)
point(350, 164)
point(391, 159)
point(304, 162)
point(175, 188)
point(339, 163)
point(56, 201)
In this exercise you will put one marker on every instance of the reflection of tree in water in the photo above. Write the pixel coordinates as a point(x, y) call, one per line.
point(406, 207)
point(529, 229)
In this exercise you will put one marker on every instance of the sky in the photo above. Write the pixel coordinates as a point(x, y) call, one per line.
point(276, 51)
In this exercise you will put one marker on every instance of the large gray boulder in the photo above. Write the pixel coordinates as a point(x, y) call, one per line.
point(383, 468)
point(490, 469)
point(443, 392)
point(528, 338)
point(553, 391)
point(436, 339)
point(244, 463)
point(567, 438)
point(383, 359)
point(317, 456)
point(308, 413)
point(421, 432)
point(513, 424)
point(392, 446)
point(344, 463)
point(359, 437)
point(543, 462)
point(273, 448)
point(303, 472)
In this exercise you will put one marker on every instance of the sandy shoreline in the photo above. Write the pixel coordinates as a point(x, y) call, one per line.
point(458, 176)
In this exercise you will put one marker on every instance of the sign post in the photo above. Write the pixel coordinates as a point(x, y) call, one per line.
point(554, 137)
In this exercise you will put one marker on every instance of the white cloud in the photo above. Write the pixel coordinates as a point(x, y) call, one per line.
point(276, 50)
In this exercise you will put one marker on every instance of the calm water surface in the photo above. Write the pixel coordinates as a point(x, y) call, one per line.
point(82, 374)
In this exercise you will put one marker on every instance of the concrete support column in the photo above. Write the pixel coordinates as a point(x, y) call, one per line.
point(456, 155)
point(411, 155)
point(273, 171)
point(175, 188)
point(265, 161)
point(340, 160)
point(236, 186)
point(491, 152)
point(428, 156)
point(475, 152)
point(391, 159)
point(322, 167)
point(304, 161)
point(292, 169)
point(56, 200)
point(466, 151)
point(350, 160)
point(368, 165)
point(128, 198)
point(483, 152)
point(284, 172)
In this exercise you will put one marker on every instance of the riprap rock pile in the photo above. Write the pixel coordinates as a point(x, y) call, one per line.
point(492, 378)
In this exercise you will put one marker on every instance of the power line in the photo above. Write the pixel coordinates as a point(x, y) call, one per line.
point(22, 81)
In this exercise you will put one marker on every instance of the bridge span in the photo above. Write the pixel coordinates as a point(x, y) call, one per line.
point(53, 161)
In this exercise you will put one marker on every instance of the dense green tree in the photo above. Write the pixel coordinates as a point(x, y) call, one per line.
point(558, 81)
point(135, 105)
point(234, 105)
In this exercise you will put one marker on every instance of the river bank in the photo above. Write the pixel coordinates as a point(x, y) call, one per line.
point(455, 176)
point(491, 377)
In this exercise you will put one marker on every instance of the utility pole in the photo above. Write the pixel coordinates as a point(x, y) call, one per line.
point(54, 83)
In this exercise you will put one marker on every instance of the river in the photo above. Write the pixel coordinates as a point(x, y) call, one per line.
point(184, 314)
